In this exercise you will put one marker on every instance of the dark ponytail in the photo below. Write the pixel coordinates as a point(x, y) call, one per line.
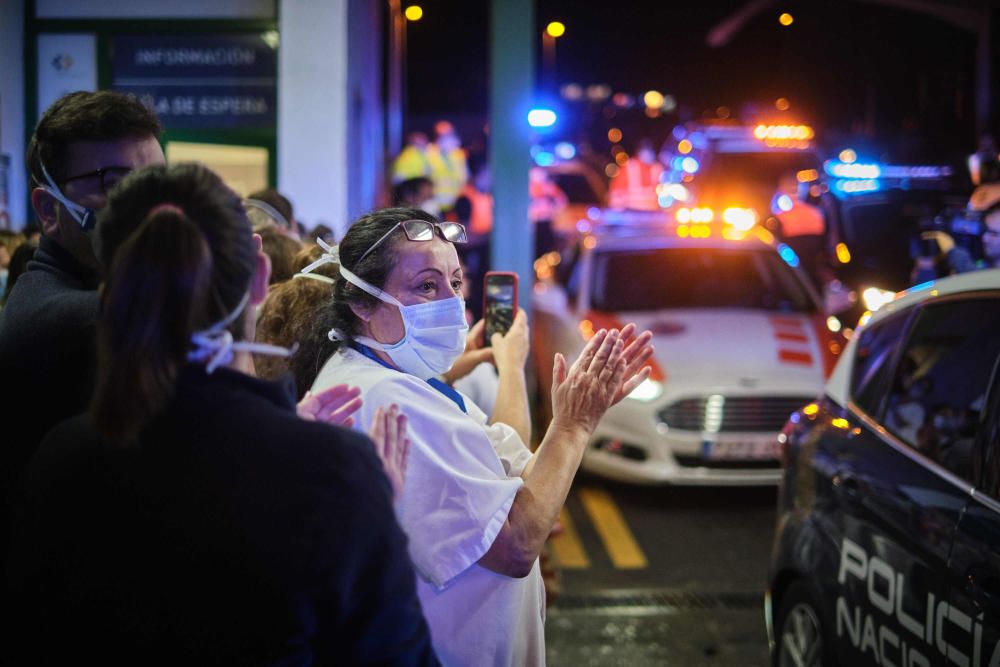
point(167, 265)
point(179, 255)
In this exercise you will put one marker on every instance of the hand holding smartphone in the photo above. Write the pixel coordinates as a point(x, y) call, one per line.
point(499, 302)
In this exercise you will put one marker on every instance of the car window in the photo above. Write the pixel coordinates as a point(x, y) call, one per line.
point(987, 474)
point(873, 361)
point(637, 280)
point(751, 178)
point(940, 385)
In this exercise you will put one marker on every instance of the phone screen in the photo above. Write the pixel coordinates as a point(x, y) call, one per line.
point(501, 298)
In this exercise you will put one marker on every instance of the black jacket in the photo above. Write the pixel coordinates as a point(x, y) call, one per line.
point(47, 359)
point(232, 533)
point(47, 348)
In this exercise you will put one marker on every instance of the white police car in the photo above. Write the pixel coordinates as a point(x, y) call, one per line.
point(740, 344)
point(887, 549)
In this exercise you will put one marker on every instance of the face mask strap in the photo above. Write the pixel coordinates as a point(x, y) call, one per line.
point(371, 289)
point(331, 255)
point(216, 343)
point(82, 215)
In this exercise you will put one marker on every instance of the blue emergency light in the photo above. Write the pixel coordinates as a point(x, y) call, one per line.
point(541, 118)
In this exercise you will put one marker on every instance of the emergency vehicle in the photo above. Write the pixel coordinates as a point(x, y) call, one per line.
point(739, 335)
point(887, 548)
point(874, 215)
point(727, 163)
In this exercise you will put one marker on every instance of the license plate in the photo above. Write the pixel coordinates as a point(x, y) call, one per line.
point(742, 450)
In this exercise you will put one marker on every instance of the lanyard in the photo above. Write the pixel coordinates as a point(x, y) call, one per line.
point(442, 387)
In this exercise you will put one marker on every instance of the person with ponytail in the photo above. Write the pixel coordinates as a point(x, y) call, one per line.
point(191, 516)
point(476, 503)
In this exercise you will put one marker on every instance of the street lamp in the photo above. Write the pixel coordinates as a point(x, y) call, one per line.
point(553, 31)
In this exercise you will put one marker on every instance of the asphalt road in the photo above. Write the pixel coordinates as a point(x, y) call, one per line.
point(661, 576)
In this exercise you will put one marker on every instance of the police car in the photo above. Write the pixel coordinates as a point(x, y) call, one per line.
point(887, 549)
point(739, 338)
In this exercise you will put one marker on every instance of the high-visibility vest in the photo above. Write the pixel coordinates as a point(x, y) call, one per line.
point(449, 173)
point(411, 162)
point(634, 186)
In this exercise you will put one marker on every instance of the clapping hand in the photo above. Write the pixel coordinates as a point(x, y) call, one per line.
point(335, 405)
point(391, 444)
point(605, 372)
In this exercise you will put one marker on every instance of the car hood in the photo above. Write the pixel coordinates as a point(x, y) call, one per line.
point(753, 349)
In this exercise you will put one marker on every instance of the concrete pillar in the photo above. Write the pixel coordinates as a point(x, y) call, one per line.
point(313, 103)
point(512, 44)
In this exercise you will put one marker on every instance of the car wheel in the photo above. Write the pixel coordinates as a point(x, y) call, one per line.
point(801, 639)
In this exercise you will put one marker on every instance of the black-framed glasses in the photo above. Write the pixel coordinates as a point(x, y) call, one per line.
point(422, 230)
point(108, 176)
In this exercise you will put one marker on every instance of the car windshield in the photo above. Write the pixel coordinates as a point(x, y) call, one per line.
point(639, 280)
point(748, 179)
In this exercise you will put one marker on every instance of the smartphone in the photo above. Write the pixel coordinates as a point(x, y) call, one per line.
point(499, 302)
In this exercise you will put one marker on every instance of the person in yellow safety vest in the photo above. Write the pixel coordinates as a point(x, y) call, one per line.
point(634, 186)
point(448, 168)
point(412, 161)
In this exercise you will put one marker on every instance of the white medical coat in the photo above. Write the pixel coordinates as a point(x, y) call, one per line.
point(461, 480)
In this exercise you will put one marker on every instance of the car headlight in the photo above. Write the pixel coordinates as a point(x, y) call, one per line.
point(875, 298)
point(648, 390)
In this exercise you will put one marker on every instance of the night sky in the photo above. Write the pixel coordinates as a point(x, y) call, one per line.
point(896, 83)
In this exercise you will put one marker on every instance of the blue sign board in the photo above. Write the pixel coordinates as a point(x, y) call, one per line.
point(222, 81)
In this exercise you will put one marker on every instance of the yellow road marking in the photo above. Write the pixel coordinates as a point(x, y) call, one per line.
point(567, 547)
point(618, 540)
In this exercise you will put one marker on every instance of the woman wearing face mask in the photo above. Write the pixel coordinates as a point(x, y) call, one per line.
point(190, 517)
point(476, 505)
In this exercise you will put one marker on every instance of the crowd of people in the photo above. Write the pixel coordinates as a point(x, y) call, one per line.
point(233, 447)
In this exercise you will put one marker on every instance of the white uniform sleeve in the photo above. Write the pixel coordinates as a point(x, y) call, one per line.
point(457, 493)
point(513, 453)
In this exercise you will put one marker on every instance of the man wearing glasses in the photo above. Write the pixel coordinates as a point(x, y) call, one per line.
point(82, 146)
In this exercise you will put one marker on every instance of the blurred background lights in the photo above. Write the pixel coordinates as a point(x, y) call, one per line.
point(541, 118)
point(598, 91)
point(555, 29)
point(565, 150)
point(614, 135)
point(786, 19)
point(782, 104)
point(414, 12)
point(653, 99)
point(848, 155)
point(689, 165)
point(572, 91)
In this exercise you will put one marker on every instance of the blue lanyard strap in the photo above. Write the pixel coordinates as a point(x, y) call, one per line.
point(442, 387)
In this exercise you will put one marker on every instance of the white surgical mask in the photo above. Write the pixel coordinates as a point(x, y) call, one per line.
point(434, 335)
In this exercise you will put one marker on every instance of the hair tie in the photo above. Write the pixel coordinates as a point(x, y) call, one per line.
point(166, 206)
